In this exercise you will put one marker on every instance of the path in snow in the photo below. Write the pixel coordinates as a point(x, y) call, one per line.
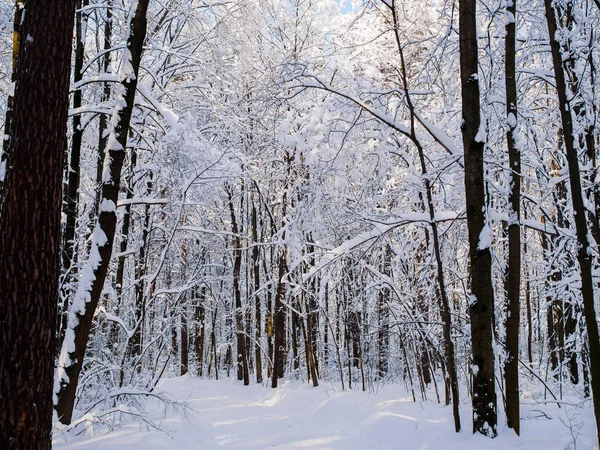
point(228, 415)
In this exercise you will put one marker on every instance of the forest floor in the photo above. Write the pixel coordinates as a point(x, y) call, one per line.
point(226, 415)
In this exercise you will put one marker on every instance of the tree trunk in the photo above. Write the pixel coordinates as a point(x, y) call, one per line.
point(92, 282)
point(256, 277)
point(183, 367)
point(383, 315)
point(103, 123)
point(30, 224)
point(583, 253)
point(481, 303)
point(513, 275)
point(73, 170)
point(279, 316)
point(242, 357)
point(200, 331)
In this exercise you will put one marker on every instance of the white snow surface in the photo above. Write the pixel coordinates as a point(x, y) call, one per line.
point(227, 415)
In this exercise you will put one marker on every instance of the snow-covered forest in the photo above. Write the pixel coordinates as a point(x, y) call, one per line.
point(387, 200)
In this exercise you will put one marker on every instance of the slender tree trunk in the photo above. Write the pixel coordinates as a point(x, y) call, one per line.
point(125, 227)
point(103, 131)
point(74, 170)
point(90, 288)
point(383, 314)
point(280, 309)
point(279, 323)
point(242, 357)
point(481, 303)
point(326, 331)
point(583, 253)
point(30, 224)
point(200, 331)
point(183, 367)
point(135, 342)
point(528, 307)
point(257, 298)
point(513, 278)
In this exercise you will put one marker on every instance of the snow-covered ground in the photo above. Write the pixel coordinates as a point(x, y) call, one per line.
point(227, 415)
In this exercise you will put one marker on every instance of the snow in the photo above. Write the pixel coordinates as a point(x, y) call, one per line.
point(108, 206)
point(485, 238)
point(481, 133)
point(226, 414)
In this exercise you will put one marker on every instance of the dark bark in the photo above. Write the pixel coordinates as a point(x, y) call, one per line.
point(103, 124)
point(280, 311)
point(242, 357)
point(106, 223)
point(257, 299)
point(30, 224)
point(452, 380)
point(125, 228)
point(528, 305)
point(200, 331)
point(326, 330)
point(513, 271)
point(481, 303)
point(294, 335)
point(584, 252)
point(183, 366)
point(74, 170)
point(279, 345)
point(312, 313)
point(383, 314)
point(135, 342)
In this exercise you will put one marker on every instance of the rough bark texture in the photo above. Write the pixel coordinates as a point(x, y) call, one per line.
point(583, 254)
point(481, 304)
point(107, 218)
point(30, 225)
point(513, 275)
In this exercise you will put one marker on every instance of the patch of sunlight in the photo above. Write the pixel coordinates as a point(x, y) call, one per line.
point(392, 402)
point(314, 443)
point(221, 423)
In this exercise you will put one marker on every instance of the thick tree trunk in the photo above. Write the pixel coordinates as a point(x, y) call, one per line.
point(513, 272)
point(584, 252)
point(481, 302)
point(92, 282)
point(30, 224)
